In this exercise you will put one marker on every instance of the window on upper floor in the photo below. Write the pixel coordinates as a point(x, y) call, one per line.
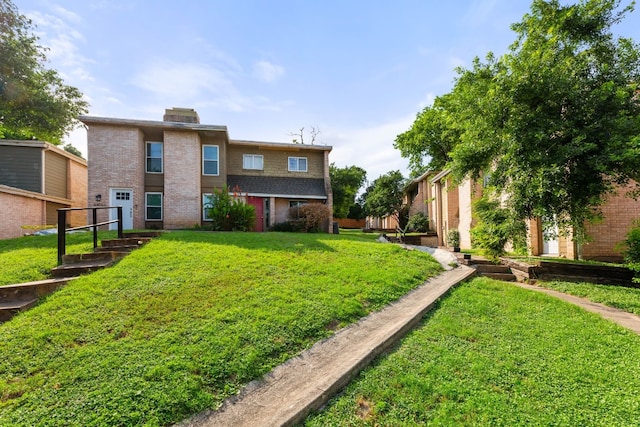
point(153, 206)
point(297, 164)
point(154, 157)
point(252, 161)
point(210, 160)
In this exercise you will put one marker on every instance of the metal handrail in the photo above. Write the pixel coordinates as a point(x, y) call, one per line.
point(62, 230)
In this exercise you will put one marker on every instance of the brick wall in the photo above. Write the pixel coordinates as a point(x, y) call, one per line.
point(116, 160)
point(619, 213)
point(23, 211)
point(182, 170)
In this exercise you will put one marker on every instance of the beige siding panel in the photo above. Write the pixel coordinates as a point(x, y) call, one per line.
point(276, 161)
point(77, 190)
point(55, 180)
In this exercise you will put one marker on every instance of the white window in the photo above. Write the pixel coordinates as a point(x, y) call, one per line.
point(297, 164)
point(296, 203)
point(210, 162)
point(154, 157)
point(208, 200)
point(252, 161)
point(153, 206)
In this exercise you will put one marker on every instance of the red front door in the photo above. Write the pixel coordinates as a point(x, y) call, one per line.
point(258, 203)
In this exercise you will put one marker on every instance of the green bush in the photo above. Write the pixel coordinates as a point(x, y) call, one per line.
point(632, 250)
point(229, 213)
point(453, 238)
point(310, 217)
point(418, 223)
point(495, 228)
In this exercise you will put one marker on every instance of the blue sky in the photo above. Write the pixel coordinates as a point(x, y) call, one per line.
point(359, 71)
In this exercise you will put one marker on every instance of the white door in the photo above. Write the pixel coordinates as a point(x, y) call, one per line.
point(121, 197)
point(550, 245)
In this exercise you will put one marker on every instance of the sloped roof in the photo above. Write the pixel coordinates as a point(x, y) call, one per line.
point(276, 186)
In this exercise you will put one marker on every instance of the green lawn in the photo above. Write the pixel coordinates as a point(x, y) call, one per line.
point(494, 354)
point(183, 323)
point(31, 258)
point(627, 299)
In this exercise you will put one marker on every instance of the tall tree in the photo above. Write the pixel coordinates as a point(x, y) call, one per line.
point(345, 183)
point(555, 122)
point(384, 197)
point(431, 137)
point(34, 101)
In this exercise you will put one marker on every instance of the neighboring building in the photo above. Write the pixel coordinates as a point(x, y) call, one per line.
point(164, 172)
point(36, 179)
point(451, 208)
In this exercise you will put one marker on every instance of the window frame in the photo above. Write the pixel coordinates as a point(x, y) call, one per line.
point(204, 212)
point(147, 206)
point(148, 157)
point(297, 160)
point(252, 157)
point(297, 203)
point(217, 160)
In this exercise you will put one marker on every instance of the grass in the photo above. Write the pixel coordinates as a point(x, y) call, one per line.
point(627, 299)
point(494, 354)
point(183, 323)
point(30, 258)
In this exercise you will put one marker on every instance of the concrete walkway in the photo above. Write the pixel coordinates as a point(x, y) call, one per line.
point(287, 394)
point(622, 318)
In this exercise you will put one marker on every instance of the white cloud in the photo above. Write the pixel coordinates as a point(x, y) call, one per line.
point(197, 85)
point(370, 148)
point(57, 30)
point(267, 72)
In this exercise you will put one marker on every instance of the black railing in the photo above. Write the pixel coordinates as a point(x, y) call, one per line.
point(62, 230)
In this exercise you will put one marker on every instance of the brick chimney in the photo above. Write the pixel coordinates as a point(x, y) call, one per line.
point(181, 115)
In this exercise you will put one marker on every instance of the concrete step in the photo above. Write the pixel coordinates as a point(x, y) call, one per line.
point(10, 309)
point(22, 296)
point(93, 256)
point(82, 267)
point(492, 268)
point(128, 248)
point(127, 241)
point(30, 290)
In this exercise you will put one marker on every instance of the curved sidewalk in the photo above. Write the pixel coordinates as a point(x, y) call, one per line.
point(287, 394)
point(622, 318)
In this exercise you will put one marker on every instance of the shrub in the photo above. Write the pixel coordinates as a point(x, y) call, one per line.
point(495, 228)
point(453, 238)
point(418, 223)
point(229, 213)
point(632, 250)
point(311, 217)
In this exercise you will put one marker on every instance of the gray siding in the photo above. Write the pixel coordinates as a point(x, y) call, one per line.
point(21, 167)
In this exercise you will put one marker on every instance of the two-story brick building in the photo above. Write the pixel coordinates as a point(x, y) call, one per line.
point(163, 173)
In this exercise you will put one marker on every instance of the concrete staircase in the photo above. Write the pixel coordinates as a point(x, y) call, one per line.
point(111, 251)
point(489, 269)
point(19, 297)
